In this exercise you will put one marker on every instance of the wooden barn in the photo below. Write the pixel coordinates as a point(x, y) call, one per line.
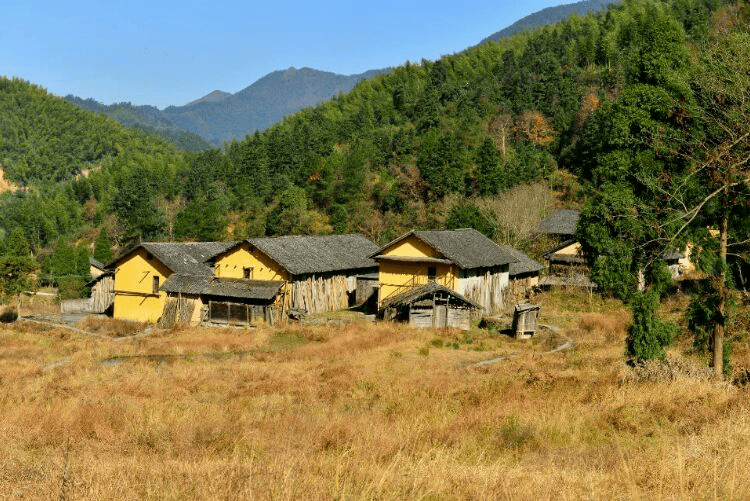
point(566, 259)
point(431, 305)
point(140, 272)
point(196, 299)
point(320, 272)
point(464, 261)
point(523, 274)
point(101, 299)
point(560, 224)
point(565, 262)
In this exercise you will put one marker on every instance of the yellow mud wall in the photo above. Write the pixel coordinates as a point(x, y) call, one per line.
point(411, 247)
point(94, 271)
point(573, 249)
point(231, 264)
point(685, 261)
point(134, 297)
point(396, 276)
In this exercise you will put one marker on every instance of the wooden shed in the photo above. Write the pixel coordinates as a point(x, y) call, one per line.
point(525, 320)
point(102, 292)
point(524, 274)
point(431, 305)
point(194, 299)
point(367, 291)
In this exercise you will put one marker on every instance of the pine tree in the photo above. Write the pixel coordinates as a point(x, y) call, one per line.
point(16, 266)
point(103, 248)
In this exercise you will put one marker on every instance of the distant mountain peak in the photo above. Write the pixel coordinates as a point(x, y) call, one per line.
point(214, 97)
point(550, 15)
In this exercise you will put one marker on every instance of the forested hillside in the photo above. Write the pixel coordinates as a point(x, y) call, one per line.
point(550, 15)
point(147, 118)
point(425, 145)
point(72, 167)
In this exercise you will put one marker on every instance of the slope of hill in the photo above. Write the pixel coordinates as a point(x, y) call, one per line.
point(213, 97)
point(219, 118)
point(401, 150)
point(147, 118)
point(550, 15)
point(73, 166)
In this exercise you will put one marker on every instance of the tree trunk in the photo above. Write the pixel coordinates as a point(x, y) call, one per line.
point(641, 279)
point(719, 323)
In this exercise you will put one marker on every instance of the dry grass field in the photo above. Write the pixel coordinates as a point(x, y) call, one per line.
point(363, 411)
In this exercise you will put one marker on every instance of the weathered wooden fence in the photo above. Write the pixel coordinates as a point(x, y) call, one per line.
point(221, 312)
point(320, 294)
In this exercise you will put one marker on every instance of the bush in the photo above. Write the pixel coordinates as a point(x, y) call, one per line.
point(648, 335)
point(71, 287)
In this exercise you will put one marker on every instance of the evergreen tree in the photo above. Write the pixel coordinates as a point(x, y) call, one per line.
point(16, 266)
point(489, 176)
point(102, 247)
point(468, 215)
point(647, 334)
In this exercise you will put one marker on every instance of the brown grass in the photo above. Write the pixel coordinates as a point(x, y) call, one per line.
point(360, 411)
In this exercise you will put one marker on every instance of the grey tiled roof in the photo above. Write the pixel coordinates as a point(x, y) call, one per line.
point(306, 254)
point(466, 247)
point(96, 263)
point(205, 285)
point(416, 293)
point(183, 257)
point(524, 263)
point(560, 222)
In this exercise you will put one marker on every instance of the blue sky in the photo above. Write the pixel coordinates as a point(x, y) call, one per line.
point(172, 52)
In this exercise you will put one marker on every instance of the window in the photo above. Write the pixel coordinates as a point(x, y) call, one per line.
point(155, 285)
point(247, 273)
point(431, 273)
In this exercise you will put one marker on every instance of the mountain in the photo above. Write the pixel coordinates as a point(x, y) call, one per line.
point(214, 97)
point(550, 15)
point(221, 117)
point(147, 118)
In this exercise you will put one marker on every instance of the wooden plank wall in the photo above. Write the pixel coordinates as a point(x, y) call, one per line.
point(320, 294)
point(177, 311)
point(488, 292)
point(103, 294)
point(459, 318)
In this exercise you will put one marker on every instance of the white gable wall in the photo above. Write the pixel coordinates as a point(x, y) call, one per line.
point(485, 286)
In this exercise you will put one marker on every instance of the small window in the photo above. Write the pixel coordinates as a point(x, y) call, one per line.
point(247, 273)
point(155, 285)
point(431, 273)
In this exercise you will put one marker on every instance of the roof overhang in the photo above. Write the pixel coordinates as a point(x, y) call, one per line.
point(409, 259)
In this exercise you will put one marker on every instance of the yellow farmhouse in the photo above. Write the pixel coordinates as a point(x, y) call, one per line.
point(464, 261)
point(319, 272)
point(141, 272)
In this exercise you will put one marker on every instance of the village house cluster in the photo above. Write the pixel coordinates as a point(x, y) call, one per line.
point(426, 278)
point(446, 278)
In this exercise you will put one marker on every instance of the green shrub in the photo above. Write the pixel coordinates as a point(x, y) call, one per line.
point(647, 334)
